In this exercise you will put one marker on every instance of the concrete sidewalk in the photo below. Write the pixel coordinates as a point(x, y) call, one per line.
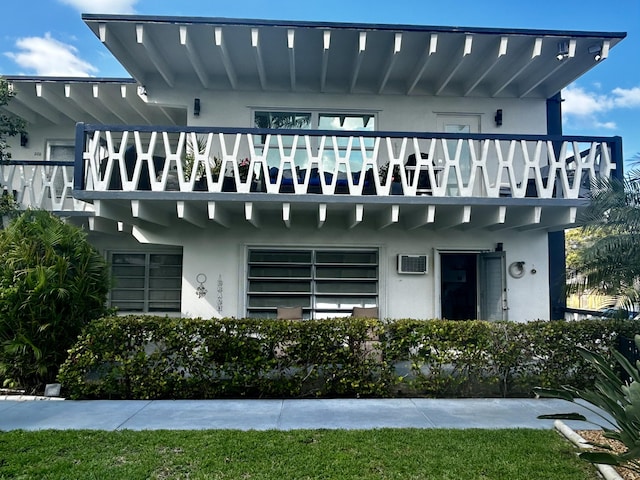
point(283, 414)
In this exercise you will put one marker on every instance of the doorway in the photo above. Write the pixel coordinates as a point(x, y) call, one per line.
point(473, 286)
point(458, 151)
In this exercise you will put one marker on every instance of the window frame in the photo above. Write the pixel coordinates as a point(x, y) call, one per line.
point(315, 114)
point(329, 161)
point(146, 289)
point(311, 297)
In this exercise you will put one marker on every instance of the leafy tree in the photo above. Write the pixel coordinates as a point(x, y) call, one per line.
point(9, 125)
point(8, 208)
point(52, 282)
point(609, 261)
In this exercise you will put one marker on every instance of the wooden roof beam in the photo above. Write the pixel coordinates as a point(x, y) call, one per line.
point(466, 51)
point(257, 51)
point(218, 214)
point(226, 60)
point(561, 64)
point(424, 62)
point(194, 58)
point(154, 55)
point(362, 46)
point(536, 51)
point(502, 51)
point(292, 56)
point(397, 46)
point(326, 44)
point(120, 51)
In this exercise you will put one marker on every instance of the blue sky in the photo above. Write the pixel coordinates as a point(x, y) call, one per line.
point(48, 37)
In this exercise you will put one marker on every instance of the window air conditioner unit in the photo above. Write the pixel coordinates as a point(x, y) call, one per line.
point(413, 264)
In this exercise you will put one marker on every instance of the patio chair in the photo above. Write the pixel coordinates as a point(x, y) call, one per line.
point(289, 313)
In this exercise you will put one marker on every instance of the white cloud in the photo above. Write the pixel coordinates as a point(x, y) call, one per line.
point(627, 98)
point(102, 6)
point(606, 125)
point(48, 56)
point(579, 102)
point(585, 108)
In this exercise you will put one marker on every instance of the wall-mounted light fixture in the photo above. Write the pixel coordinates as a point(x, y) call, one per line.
point(142, 91)
point(196, 107)
point(563, 50)
point(498, 117)
point(596, 51)
point(24, 139)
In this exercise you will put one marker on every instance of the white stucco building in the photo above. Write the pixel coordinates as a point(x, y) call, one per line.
point(247, 165)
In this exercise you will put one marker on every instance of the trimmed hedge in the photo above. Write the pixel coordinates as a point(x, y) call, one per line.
point(476, 358)
point(151, 357)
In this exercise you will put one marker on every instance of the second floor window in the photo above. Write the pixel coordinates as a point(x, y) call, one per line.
point(315, 121)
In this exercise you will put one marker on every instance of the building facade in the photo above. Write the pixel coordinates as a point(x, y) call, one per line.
point(250, 165)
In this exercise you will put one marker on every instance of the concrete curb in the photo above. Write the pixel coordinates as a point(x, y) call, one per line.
point(607, 471)
point(28, 398)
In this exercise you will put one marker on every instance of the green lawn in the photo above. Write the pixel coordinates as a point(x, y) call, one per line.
point(302, 454)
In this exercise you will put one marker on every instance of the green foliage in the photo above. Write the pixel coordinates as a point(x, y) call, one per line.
point(577, 243)
point(198, 145)
point(52, 282)
point(475, 358)
point(150, 357)
point(9, 125)
point(609, 263)
point(615, 396)
point(8, 208)
point(153, 357)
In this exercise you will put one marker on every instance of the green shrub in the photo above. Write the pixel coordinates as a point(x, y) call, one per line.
point(52, 282)
point(152, 357)
point(473, 358)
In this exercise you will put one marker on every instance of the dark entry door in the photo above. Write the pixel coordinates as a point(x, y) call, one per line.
point(473, 285)
point(459, 287)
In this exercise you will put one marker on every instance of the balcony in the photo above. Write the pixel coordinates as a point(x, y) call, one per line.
point(442, 180)
point(46, 185)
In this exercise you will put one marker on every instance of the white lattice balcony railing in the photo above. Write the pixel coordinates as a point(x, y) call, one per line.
point(46, 185)
point(208, 159)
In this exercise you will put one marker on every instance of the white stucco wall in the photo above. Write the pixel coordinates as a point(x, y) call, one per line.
point(394, 112)
point(220, 254)
point(39, 136)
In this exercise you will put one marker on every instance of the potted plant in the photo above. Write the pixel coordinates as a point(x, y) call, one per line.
point(396, 184)
point(215, 165)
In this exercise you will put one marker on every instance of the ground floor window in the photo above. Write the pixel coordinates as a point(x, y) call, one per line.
point(324, 282)
point(146, 282)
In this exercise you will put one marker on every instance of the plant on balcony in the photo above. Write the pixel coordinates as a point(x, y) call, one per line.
point(383, 172)
point(243, 168)
point(215, 164)
point(190, 158)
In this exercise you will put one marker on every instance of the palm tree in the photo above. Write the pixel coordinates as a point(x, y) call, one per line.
point(52, 283)
point(610, 263)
